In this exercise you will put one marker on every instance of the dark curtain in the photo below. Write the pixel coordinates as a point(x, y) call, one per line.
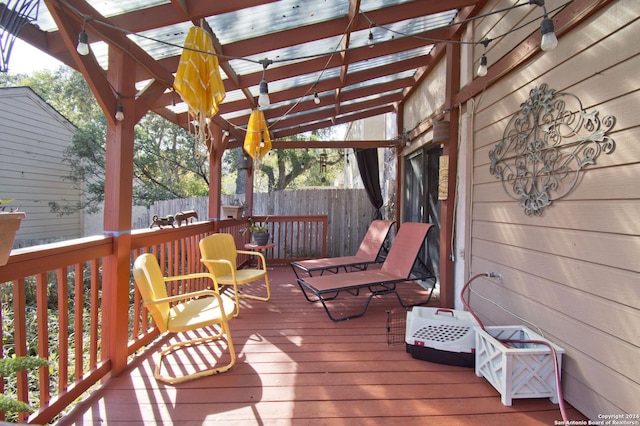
point(369, 172)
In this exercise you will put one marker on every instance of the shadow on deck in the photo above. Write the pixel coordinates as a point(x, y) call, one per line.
point(295, 366)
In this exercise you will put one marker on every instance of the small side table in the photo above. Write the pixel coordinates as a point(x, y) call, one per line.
point(255, 247)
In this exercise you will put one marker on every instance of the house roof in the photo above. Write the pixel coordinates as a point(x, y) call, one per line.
point(304, 48)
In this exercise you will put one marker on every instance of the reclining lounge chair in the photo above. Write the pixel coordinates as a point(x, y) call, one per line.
point(369, 252)
point(401, 265)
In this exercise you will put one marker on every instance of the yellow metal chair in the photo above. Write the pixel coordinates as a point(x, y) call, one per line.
point(219, 255)
point(193, 311)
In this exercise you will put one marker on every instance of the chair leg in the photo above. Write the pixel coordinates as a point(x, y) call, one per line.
point(261, 298)
point(173, 380)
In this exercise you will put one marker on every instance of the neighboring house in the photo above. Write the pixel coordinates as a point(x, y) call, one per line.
point(572, 271)
point(33, 137)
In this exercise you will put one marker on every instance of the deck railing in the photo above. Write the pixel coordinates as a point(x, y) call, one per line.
point(63, 284)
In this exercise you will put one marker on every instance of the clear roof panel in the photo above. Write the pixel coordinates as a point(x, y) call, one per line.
point(274, 17)
point(389, 59)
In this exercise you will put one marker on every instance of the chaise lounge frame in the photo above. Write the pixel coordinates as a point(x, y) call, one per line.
point(371, 250)
point(401, 265)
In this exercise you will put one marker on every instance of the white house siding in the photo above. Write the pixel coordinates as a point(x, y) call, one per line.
point(33, 137)
point(574, 271)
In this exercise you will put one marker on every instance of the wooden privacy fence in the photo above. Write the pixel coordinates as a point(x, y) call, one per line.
point(349, 211)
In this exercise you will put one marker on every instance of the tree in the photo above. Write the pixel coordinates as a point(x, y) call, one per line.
point(168, 162)
point(295, 168)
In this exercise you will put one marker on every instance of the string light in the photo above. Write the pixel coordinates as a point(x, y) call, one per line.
point(119, 112)
point(316, 99)
point(263, 97)
point(482, 69)
point(83, 43)
point(549, 40)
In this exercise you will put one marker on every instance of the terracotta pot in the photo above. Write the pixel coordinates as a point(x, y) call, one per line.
point(9, 225)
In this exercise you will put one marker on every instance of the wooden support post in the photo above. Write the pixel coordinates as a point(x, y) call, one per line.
point(117, 213)
point(215, 173)
point(248, 188)
point(447, 212)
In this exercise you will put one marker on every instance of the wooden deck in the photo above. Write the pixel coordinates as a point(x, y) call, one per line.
point(295, 366)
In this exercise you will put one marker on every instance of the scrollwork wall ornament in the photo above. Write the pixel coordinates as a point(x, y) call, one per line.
point(546, 146)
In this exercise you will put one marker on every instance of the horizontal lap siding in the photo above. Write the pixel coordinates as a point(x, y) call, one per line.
point(574, 271)
point(33, 137)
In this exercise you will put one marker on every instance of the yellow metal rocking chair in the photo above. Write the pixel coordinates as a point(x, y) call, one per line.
point(193, 311)
point(219, 255)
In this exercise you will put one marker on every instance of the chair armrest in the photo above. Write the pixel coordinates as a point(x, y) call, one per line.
point(255, 253)
point(194, 276)
point(185, 296)
point(190, 276)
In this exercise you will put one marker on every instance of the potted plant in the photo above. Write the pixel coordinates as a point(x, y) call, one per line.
point(259, 232)
point(9, 225)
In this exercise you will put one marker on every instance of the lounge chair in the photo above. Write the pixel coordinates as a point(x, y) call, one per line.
point(370, 251)
point(183, 312)
point(401, 265)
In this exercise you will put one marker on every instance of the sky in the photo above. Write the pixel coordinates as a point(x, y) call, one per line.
point(27, 59)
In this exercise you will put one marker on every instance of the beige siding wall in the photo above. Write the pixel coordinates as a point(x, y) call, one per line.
point(574, 271)
point(33, 137)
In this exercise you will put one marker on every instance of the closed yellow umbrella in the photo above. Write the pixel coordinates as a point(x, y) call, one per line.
point(198, 80)
point(257, 142)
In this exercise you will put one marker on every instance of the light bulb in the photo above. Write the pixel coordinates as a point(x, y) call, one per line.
point(370, 41)
point(482, 69)
point(549, 40)
point(316, 99)
point(263, 98)
point(119, 113)
point(83, 43)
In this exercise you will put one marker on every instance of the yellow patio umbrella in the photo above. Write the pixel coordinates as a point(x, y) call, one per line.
point(198, 81)
point(257, 142)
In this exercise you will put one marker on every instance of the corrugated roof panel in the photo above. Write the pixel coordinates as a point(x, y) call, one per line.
point(273, 17)
point(389, 59)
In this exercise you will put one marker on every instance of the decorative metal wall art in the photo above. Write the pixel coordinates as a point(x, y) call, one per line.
point(546, 145)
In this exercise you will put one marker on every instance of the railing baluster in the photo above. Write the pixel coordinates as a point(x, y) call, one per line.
point(177, 251)
point(43, 334)
point(63, 331)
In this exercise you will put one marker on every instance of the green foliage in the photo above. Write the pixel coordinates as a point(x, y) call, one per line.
point(168, 162)
point(297, 168)
point(253, 227)
point(13, 365)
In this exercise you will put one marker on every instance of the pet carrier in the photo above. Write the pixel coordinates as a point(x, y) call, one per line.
point(444, 336)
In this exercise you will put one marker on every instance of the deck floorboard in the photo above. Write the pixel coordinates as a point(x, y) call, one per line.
point(296, 366)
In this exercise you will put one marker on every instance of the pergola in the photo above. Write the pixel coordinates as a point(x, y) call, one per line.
point(362, 58)
point(326, 63)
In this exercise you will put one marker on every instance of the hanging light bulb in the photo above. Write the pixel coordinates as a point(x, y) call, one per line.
point(370, 40)
point(119, 113)
point(482, 69)
point(549, 40)
point(83, 43)
point(316, 99)
point(263, 98)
